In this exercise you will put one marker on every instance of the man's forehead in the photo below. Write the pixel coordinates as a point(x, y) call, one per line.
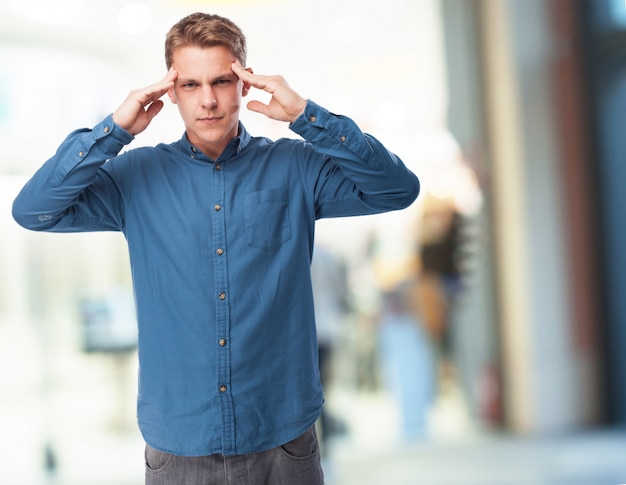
point(202, 63)
point(217, 54)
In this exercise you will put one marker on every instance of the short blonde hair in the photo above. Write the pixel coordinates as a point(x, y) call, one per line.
point(205, 30)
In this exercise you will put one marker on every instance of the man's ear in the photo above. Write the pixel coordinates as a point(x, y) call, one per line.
point(246, 87)
point(172, 96)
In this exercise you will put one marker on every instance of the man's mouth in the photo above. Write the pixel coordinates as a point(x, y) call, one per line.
point(210, 119)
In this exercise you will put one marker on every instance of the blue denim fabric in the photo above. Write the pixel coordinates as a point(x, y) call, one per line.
point(220, 252)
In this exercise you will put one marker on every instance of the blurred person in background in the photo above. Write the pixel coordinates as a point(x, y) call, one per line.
point(440, 277)
point(406, 361)
point(220, 228)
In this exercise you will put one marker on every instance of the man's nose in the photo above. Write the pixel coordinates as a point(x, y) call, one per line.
point(209, 100)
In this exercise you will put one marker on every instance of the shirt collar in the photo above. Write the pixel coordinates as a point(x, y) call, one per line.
point(235, 146)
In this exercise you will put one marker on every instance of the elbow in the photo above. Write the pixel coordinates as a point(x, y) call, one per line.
point(414, 189)
point(29, 220)
point(398, 197)
point(18, 215)
point(22, 219)
point(410, 192)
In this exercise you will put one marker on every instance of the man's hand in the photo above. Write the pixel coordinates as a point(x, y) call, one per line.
point(142, 105)
point(285, 104)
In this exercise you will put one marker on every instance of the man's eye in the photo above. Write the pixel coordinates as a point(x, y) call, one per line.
point(189, 85)
point(221, 82)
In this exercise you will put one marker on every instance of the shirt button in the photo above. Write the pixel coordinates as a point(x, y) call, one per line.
point(217, 207)
point(312, 119)
point(222, 296)
point(222, 342)
point(106, 129)
point(222, 388)
point(342, 138)
point(218, 167)
point(81, 154)
point(219, 251)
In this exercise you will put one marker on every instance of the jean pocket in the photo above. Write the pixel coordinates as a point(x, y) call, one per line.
point(267, 218)
point(303, 447)
point(156, 460)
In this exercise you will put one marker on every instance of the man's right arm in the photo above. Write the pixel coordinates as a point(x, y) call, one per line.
point(65, 194)
point(62, 195)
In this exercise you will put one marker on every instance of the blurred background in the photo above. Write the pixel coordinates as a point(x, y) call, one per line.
point(477, 337)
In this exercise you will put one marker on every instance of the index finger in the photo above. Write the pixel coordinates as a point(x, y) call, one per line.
point(155, 91)
point(243, 74)
point(248, 77)
point(171, 75)
point(238, 69)
point(168, 81)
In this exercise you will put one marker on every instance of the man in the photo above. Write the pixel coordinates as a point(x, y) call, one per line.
point(220, 231)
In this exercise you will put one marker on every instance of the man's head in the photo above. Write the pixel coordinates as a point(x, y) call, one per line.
point(205, 30)
point(202, 48)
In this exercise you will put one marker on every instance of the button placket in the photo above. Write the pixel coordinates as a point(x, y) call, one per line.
point(222, 307)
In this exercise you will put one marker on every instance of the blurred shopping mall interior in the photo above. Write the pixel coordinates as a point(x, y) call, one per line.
point(493, 305)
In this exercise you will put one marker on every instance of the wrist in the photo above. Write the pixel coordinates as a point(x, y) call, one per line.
point(109, 127)
point(300, 111)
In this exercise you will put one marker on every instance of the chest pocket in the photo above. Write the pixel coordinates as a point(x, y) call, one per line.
point(267, 218)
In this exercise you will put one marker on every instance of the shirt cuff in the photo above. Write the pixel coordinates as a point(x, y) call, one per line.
point(313, 115)
point(108, 128)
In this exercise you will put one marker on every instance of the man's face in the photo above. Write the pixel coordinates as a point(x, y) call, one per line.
point(208, 94)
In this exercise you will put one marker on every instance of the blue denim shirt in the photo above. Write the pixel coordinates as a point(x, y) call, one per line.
point(220, 252)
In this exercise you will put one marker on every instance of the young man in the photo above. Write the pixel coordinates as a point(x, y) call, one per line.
point(220, 230)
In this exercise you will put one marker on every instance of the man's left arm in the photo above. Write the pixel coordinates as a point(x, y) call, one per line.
point(377, 178)
point(381, 179)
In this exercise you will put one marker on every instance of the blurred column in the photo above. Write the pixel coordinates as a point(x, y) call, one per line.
point(475, 339)
point(541, 375)
point(580, 183)
point(604, 57)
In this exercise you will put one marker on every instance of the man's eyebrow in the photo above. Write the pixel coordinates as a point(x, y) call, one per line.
point(185, 80)
point(226, 75)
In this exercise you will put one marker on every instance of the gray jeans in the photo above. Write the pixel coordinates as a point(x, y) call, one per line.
point(296, 462)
